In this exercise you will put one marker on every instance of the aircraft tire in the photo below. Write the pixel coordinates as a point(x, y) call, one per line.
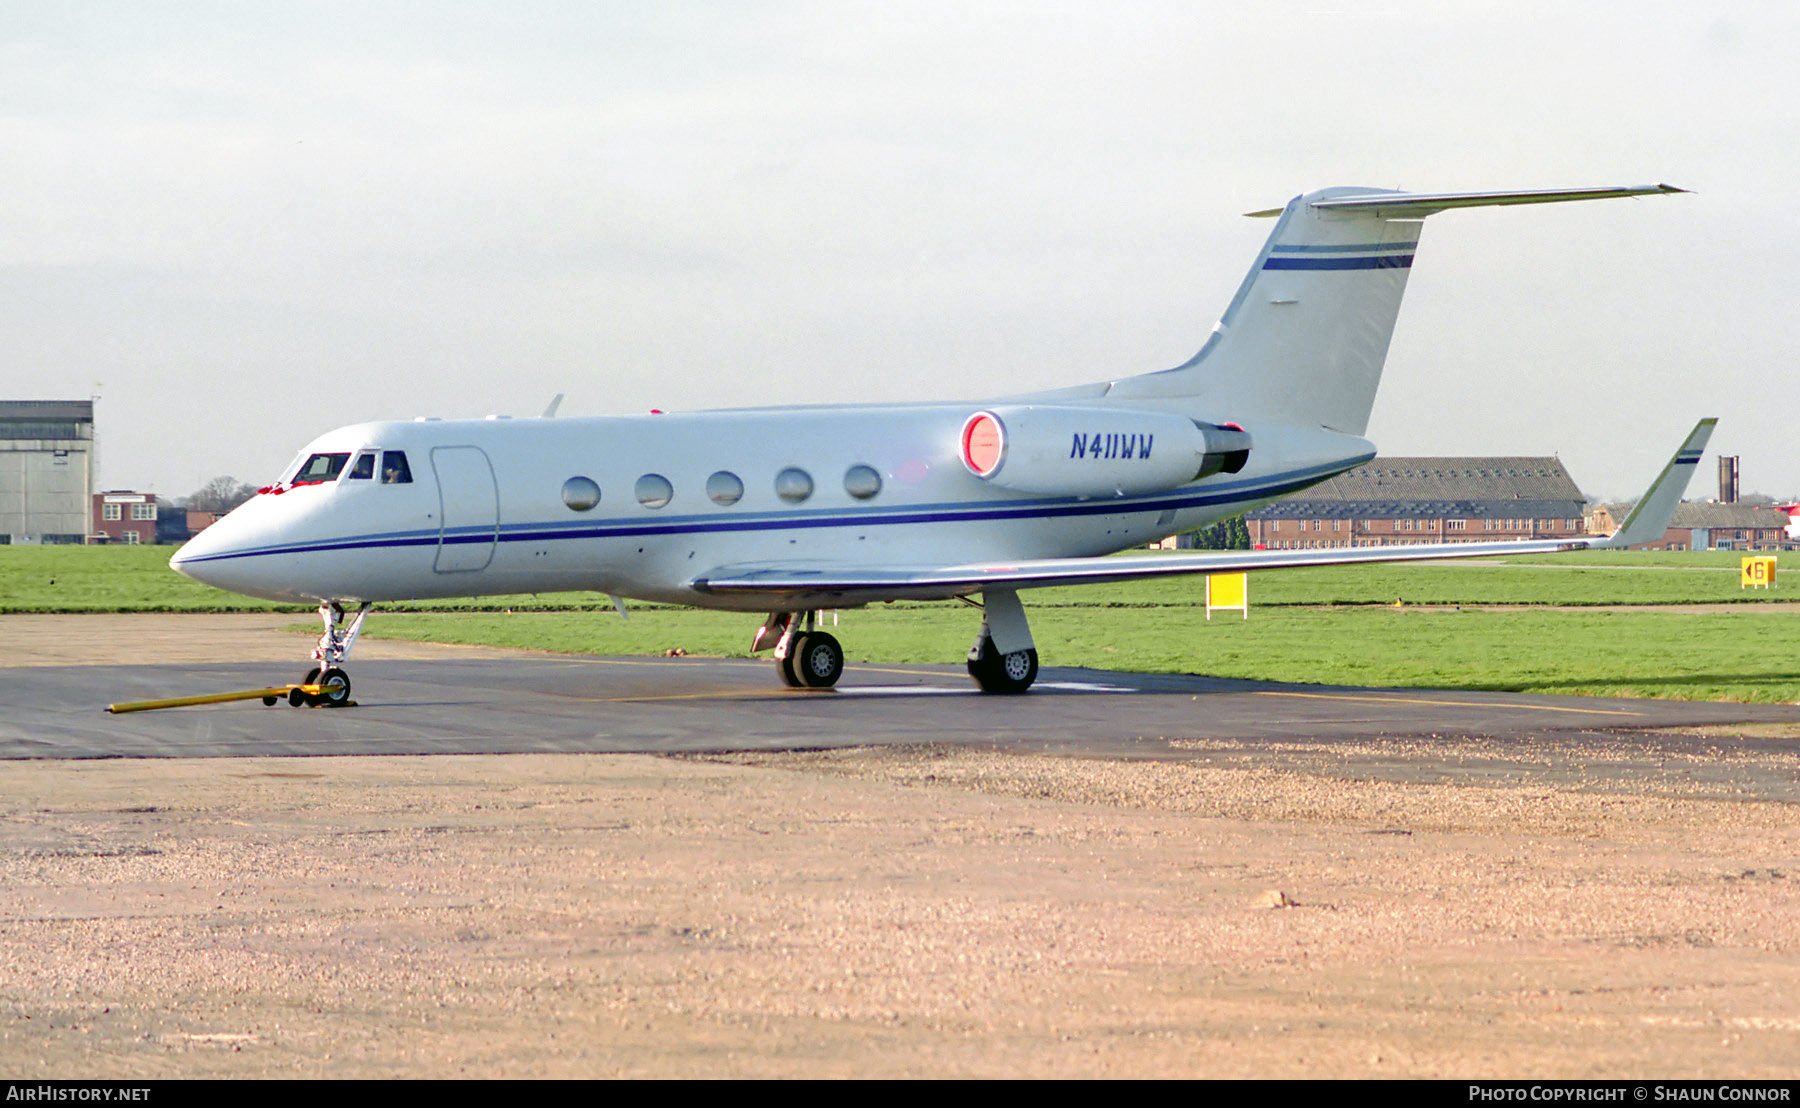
point(818, 660)
point(335, 684)
point(299, 699)
point(785, 666)
point(1005, 675)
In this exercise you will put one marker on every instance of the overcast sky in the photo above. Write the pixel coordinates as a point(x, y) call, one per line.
point(242, 224)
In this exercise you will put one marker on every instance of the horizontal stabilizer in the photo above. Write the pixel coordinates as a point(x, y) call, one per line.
point(1304, 340)
point(1402, 205)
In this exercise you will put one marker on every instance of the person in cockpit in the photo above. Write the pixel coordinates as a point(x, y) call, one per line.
point(394, 470)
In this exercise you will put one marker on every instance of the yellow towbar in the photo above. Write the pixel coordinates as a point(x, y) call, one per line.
point(267, 696)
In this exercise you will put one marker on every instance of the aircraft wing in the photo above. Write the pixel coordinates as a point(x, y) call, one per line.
point(816, 585)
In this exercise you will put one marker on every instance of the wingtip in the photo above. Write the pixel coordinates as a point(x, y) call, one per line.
point(1656, 508)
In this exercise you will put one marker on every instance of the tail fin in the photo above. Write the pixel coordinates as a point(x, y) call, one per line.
point(1306, 335)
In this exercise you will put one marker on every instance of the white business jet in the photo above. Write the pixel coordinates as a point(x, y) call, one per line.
point(793, 510)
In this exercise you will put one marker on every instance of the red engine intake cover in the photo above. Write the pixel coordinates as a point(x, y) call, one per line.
point(983, 444)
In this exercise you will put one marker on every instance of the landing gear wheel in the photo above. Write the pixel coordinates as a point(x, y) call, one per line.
point(817, 660)
point(785, 666)
point(299, 699)
point(334, 689)
point(1005, 674)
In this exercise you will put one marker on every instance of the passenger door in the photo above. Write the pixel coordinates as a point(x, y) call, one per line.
point(469, 509)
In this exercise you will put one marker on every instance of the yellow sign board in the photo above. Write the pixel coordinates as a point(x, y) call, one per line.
point(1757, 571)
point(1228, 592)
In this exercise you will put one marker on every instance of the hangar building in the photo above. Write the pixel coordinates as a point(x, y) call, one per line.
point(1393, 501)
point(46, 470)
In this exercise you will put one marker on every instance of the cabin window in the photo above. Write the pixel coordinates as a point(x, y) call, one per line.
point(654, 490)
point(320, 468)
point(394, 470)
point(862, 482)
point(724, 488)
point(363, 469)
point(793, 485)
point(580, 493)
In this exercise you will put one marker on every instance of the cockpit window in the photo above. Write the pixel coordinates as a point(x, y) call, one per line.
point(394, 470)
point(364, 468)
point(320, 468)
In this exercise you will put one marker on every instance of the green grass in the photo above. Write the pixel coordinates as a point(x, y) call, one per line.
point(1588, 578)
point(105, 579)
point(1526, 624)
point(1740, 656)
point(138, 579)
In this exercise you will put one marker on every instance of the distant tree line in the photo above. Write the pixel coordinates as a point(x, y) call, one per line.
point(1229, 534)
point(221, 494)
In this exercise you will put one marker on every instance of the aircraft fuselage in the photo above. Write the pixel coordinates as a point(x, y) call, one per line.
point(490, 507)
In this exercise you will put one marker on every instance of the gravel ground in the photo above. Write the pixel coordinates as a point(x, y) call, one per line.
point(915, 912)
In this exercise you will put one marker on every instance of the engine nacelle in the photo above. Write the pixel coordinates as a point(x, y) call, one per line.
point(1096, 451)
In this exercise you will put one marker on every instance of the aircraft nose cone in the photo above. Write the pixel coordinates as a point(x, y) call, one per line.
point(247, 552)
point(193, 559)
point(225, 557)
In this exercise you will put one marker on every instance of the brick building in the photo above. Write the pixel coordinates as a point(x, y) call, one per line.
point(1392, 501)
point(1726, 524)
point(124, 517)
point(198, 521)
point(1709, 525)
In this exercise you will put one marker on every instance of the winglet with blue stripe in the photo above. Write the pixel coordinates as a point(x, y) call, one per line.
point(1649, 521)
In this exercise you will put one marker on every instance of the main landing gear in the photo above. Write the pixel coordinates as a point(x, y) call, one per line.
point(806, 657)
point(1003, 659)
point(334, 647)
point(1005, 674)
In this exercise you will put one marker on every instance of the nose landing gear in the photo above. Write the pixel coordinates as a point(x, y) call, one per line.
point(333, 686)
point(334, 647)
